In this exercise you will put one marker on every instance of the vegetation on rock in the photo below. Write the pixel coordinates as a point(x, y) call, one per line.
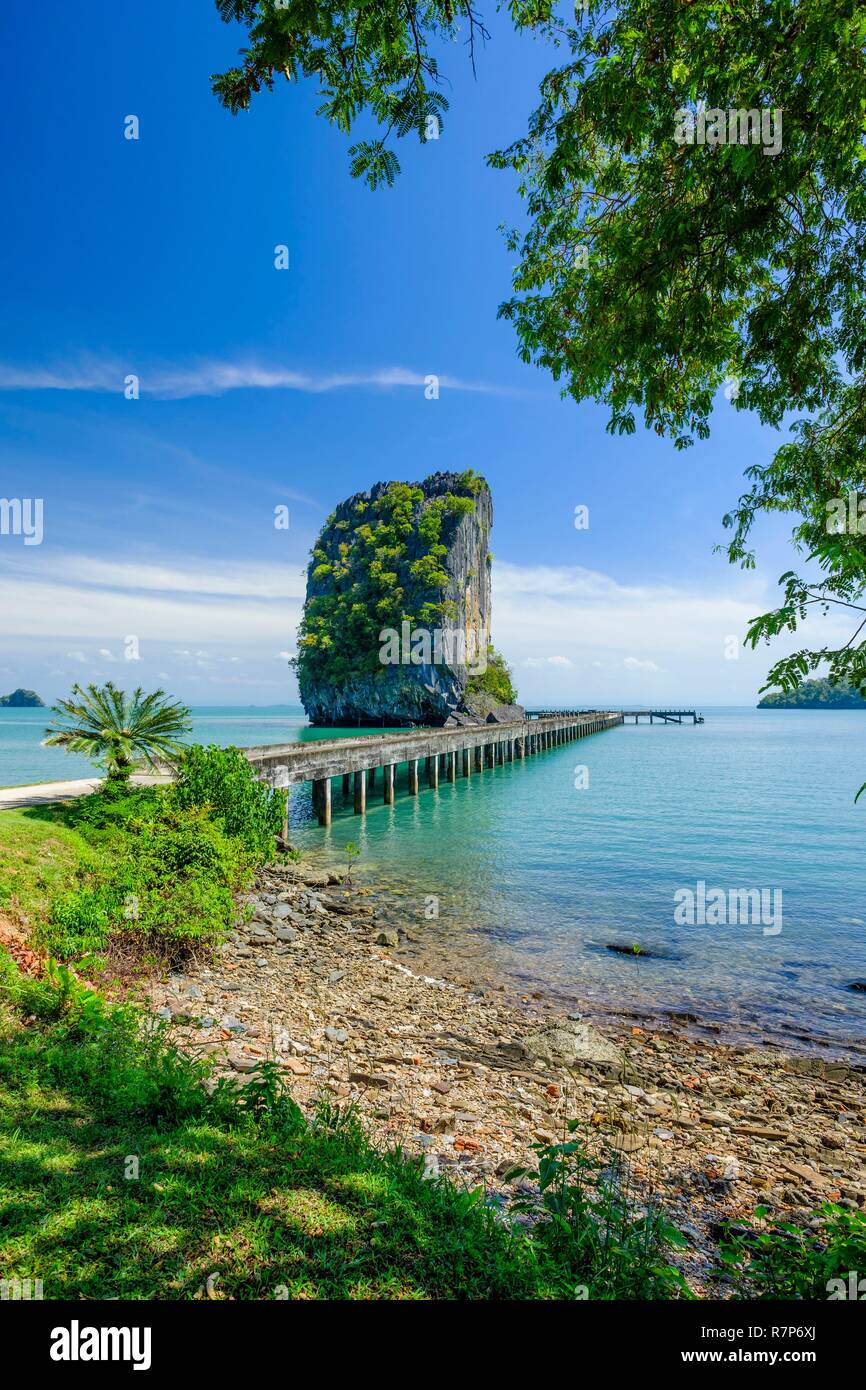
point(22, 699)
point(817, 694)
point(495, 680)
point(379, 563)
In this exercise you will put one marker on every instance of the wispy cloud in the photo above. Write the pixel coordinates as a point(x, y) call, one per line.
point(634, 663)
point(183, 603)
point(209, 377)
point(571, 633)
point(232, 580)
point(614, 634)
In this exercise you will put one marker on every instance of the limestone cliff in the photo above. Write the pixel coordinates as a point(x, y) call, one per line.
point(397, 614)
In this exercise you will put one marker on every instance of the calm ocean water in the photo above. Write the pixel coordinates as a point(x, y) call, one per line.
point(23, 760)
point(532, 878)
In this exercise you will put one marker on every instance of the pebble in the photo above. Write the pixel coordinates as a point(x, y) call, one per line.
point(474, 1077)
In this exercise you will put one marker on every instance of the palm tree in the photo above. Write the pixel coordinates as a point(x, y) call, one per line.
point(120, 731)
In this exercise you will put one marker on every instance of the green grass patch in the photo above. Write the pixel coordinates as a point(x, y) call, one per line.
point(124, 1177)
point(127, 870)
point(40, 858)
point(237, 1186)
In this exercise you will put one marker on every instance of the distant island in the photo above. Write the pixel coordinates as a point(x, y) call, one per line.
point(22, 699)
point(818, 694)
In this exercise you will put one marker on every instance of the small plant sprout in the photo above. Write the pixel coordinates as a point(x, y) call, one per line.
point(352, 853)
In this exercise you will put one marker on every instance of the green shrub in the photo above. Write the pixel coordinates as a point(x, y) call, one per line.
point(590, 1225)
point(495, 680)
point(222, 780)
point(179, 876)
point(114, 806)
point(81, 920)
point(166, 880)
point(783, 1261)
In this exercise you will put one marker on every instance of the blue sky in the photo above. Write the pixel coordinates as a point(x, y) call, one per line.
point(262, 387)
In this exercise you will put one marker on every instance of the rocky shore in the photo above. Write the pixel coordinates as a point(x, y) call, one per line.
point(319, 982)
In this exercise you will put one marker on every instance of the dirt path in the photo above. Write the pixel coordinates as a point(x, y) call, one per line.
point(42, 793)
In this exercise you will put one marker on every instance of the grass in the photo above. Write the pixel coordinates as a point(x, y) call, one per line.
point(237, 1186)
point(39, 859)
point(121, 875)
point(125, 1173)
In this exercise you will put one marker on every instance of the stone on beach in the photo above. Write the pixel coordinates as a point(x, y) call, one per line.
point(568, 1043)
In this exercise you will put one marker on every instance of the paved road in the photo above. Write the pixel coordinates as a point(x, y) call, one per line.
point(40, 795)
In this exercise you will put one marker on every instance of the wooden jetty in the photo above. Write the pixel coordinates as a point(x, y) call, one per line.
point(664, 716)
point(445, 754)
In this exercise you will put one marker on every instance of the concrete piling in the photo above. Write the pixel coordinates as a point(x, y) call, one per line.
point(322, 799)
point(449, 753)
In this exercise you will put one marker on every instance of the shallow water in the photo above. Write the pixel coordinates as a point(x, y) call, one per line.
point(533, 879)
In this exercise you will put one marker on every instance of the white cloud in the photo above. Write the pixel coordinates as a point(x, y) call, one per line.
point(611, 632)
point(635, 664)
point(255, 581)
point(208, 377)
point(573, 634)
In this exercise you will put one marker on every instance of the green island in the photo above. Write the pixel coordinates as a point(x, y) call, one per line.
point(816, 694)
point(409, 561)
point(22, 699)
point(375, 581)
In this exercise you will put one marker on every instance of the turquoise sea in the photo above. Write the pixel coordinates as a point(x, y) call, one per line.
point(527, 873)
point(23, 759)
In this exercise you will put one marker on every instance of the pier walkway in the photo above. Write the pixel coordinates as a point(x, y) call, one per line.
point(445, 753)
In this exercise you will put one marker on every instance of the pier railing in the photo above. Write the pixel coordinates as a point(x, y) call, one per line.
point(446, 754)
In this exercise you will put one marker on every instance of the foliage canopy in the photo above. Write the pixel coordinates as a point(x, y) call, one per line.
point(651, 270)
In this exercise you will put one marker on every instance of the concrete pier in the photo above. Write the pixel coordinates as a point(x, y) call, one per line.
point(322, 799)
point(388, 784)
point(454, 752)
point(360, 792)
